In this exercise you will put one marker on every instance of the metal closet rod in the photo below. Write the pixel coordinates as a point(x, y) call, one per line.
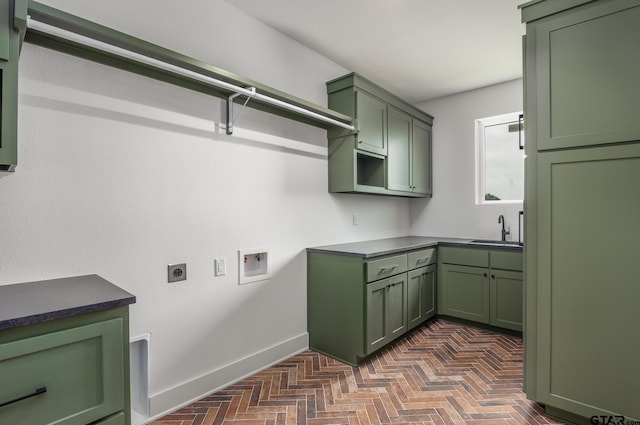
point(146, 60)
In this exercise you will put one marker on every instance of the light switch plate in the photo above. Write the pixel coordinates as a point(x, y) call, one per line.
point(221, 266)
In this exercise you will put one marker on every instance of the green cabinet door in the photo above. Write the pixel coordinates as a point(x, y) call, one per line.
point(421, 158)
point(397, 306)
point(506, 289)
point(421, 295)
point(585, 67)
point(377, 334)
point(588, 282)
point(465, 292)
point(386, 311)
point(399, 153)
point(409, 154)
point(371, 116)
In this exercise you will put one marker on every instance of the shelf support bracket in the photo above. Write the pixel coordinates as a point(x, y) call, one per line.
point(230, 118)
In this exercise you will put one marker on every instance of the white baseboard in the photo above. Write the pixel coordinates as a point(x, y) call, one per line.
point(184, 394)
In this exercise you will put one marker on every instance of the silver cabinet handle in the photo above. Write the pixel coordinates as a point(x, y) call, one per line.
point(387, 269)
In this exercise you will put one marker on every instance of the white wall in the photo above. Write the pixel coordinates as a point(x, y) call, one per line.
point(120, 175)
point(453, 211)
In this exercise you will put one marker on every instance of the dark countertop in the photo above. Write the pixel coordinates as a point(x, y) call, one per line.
point(34, 302)
point(379, 247)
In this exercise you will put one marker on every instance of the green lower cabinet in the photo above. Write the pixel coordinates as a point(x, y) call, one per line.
point(386, 311)
point(506, 289)
point(465, 292)
point(356, 305)
point(481, 285)
point(421, 295)
point(73, 373)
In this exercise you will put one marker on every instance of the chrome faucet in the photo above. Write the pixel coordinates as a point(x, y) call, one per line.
point(505, 232)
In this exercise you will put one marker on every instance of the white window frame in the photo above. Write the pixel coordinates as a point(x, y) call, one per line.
point(480, 155)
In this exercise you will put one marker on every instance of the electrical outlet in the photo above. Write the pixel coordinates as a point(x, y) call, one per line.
point(355, 219)
point(221, 266)
point(177, 272)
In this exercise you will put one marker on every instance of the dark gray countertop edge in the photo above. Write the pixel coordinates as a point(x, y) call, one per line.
point(368, 249)
point(61, 314)
point(30, 303)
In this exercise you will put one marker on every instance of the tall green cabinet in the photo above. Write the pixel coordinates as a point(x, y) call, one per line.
point(582, 208)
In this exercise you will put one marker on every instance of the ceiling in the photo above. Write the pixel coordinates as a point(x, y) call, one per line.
point(417, 49)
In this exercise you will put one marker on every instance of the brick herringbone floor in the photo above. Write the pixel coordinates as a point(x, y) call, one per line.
point(441, 373)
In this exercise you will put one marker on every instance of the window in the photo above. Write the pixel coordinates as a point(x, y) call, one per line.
point(500, 160)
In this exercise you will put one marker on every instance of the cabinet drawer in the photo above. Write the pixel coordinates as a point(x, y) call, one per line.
point(465, 256)
point(385, 267)
point(506, 260)
point(421, 258)
point(82, 370)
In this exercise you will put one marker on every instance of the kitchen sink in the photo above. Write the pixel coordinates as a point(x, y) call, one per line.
point(495, 242)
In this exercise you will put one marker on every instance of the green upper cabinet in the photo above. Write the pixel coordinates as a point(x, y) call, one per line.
point(585, 67)
point(12, 28)
point(390, 151)
point(371, 115)
point(409, 150)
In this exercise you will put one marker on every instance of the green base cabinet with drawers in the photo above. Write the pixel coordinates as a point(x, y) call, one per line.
point(481, 285)
point(358, 305)
point(390, 151)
